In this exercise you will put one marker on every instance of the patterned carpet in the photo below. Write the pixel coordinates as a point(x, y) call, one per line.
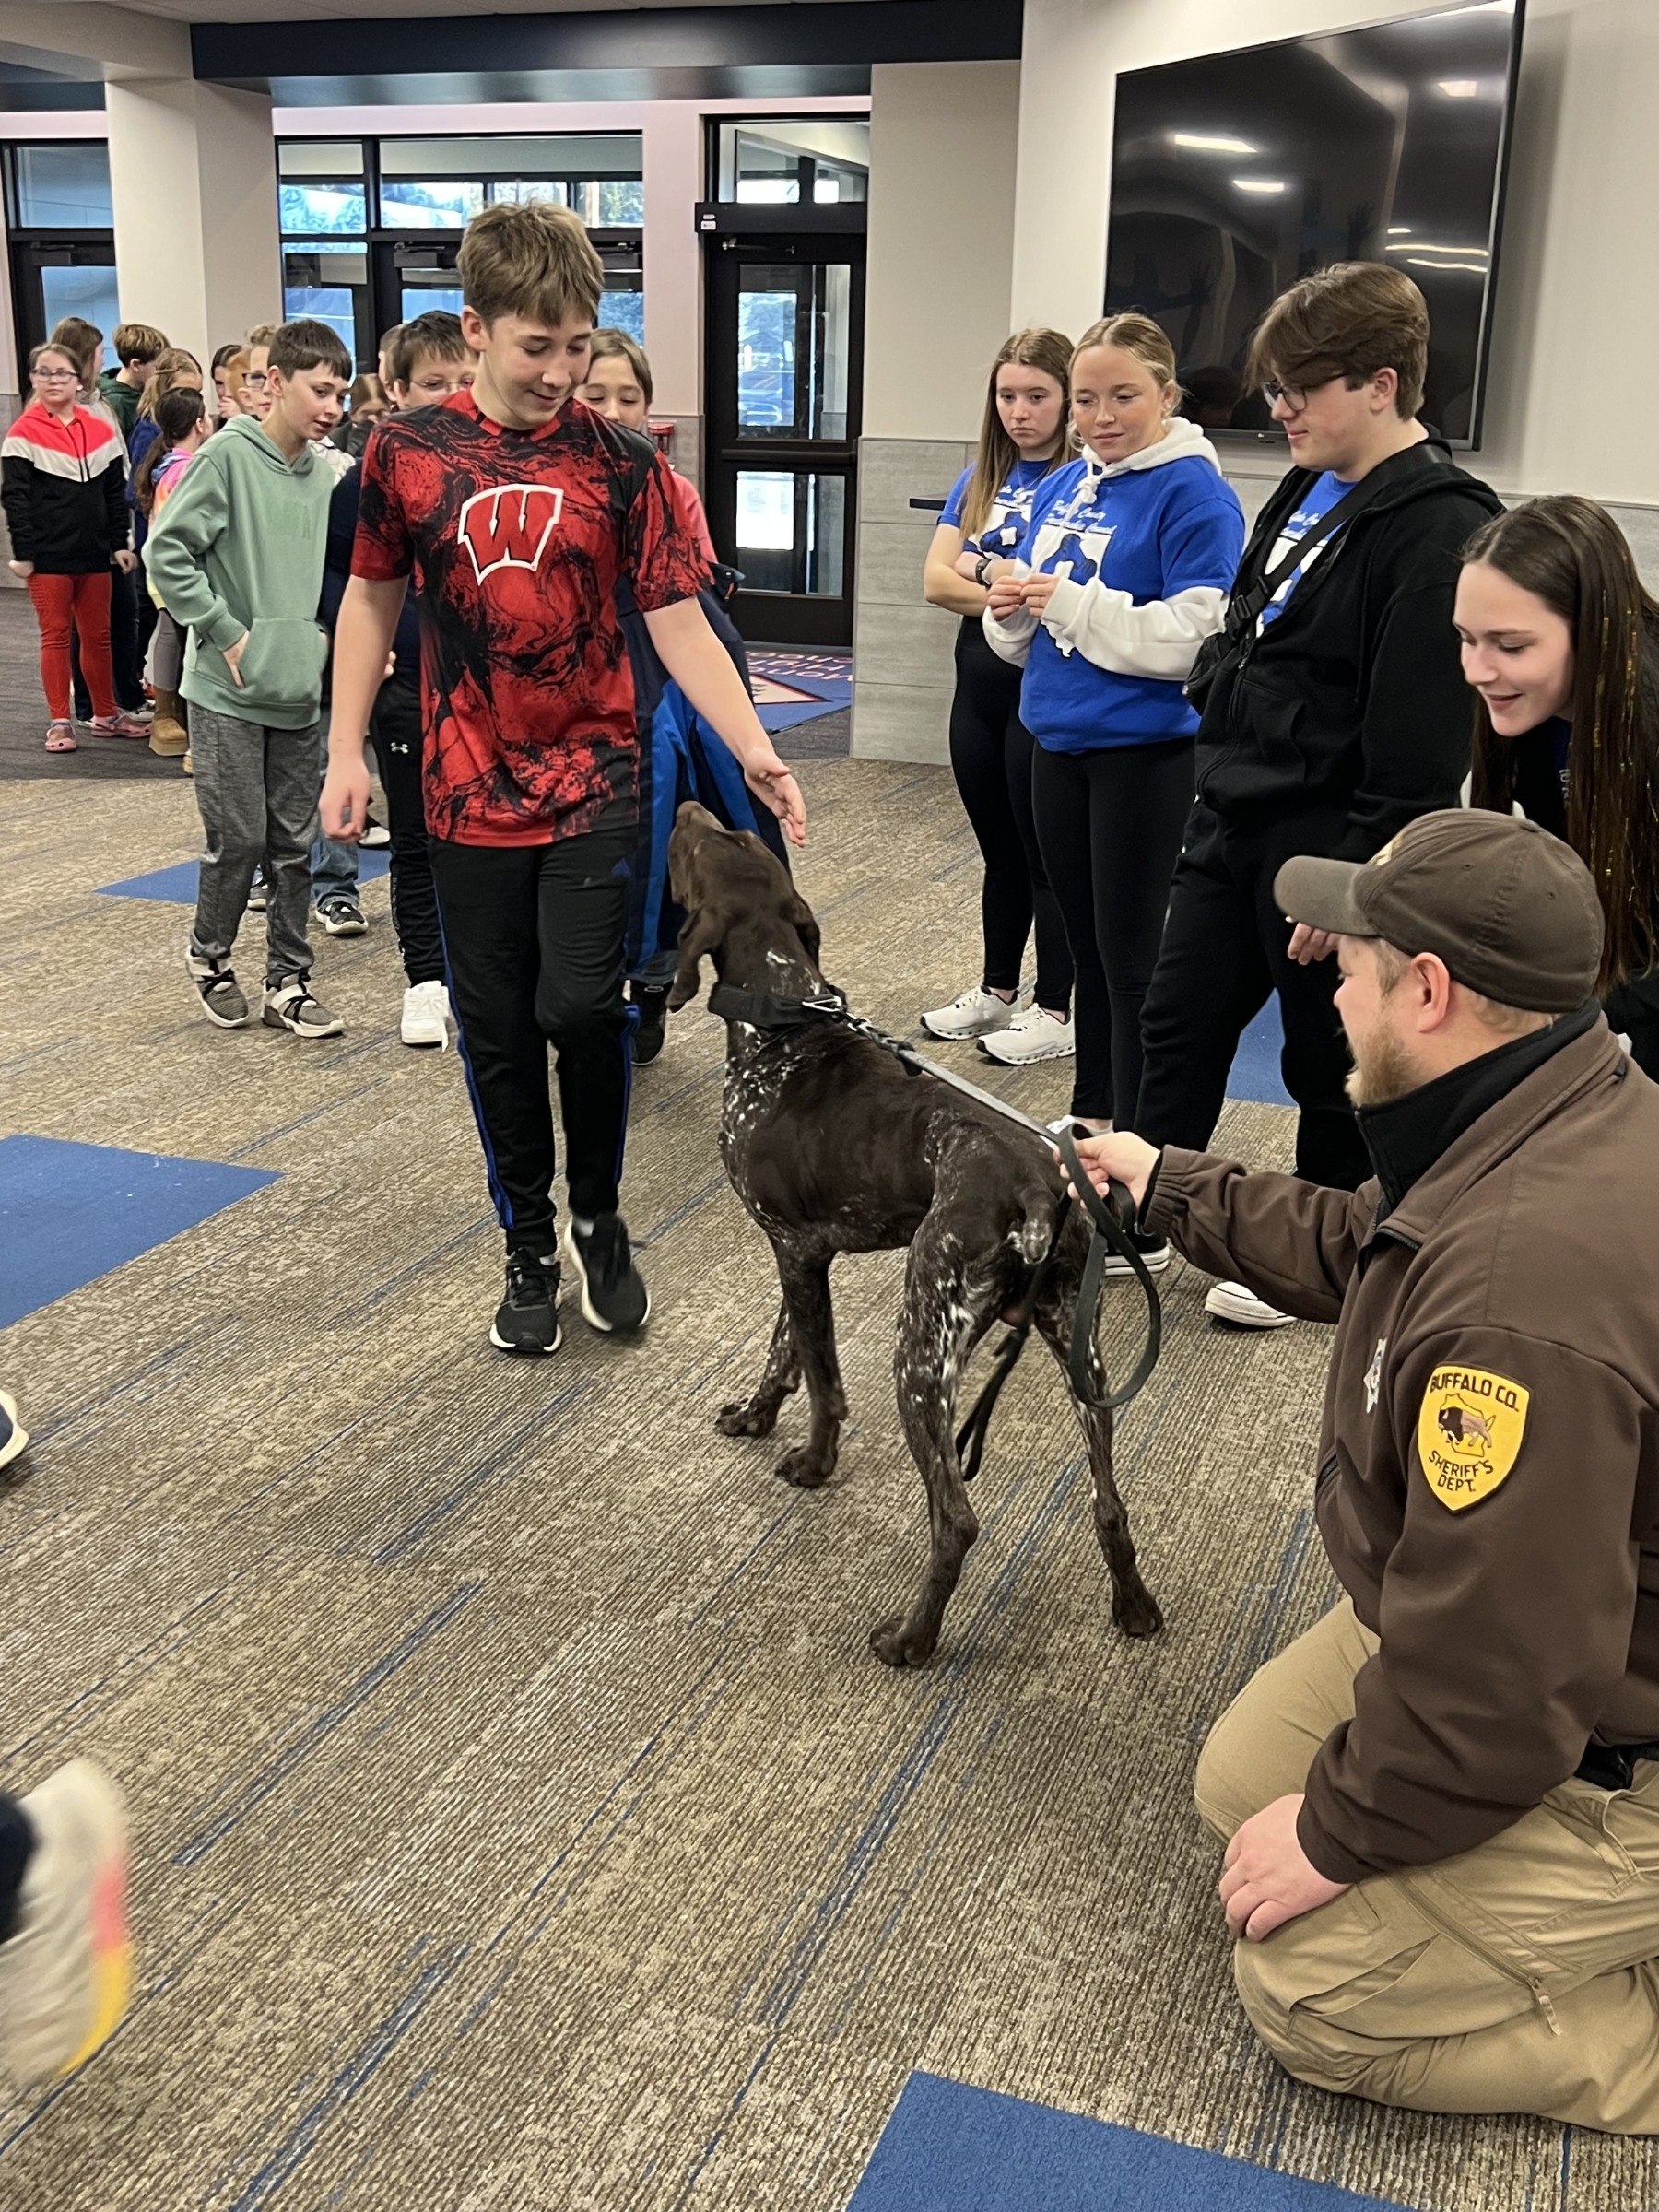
point(521, 1820)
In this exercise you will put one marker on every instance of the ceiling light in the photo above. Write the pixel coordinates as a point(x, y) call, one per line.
point(1399, 229)
point(1459, 88)
point(1264, 184)
point(1469, 268)
point(1197, 142)
point(1422, 245)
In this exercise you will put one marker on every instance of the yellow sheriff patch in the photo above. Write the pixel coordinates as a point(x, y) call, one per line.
point(1469, 1432)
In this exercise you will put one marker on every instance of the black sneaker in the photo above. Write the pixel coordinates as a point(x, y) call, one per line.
point(341, 915)
point(259, 895)
point(1154, 1253)
point(614, 1297)
point(651, 1028)
point(527, 1318)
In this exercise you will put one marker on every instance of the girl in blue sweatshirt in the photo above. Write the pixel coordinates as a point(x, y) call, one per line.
point(1122, 572)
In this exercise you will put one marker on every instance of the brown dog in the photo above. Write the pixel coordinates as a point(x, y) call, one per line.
point(834, 1148)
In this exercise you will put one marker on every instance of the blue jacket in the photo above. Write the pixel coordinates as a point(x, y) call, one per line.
point(1145, 550)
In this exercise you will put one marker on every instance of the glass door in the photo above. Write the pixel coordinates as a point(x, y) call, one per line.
point(786, 371)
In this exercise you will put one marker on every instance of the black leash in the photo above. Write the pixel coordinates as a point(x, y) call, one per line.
point(1110, 1218)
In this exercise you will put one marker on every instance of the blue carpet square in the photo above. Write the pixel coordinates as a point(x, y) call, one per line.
point(177, 886)
point(949, 2148)
point(1256, 1068)
point(70, 1213)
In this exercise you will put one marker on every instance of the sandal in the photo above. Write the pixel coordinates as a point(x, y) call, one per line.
point(60, 737)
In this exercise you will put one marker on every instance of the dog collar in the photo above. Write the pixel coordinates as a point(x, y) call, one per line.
point(763, 1010)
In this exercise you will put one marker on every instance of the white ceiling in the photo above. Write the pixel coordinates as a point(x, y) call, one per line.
point(309, 11)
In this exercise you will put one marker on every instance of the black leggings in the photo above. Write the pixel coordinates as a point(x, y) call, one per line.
point(990, 757)
point(534, 937)
point(394, 725)
point(1110, 823)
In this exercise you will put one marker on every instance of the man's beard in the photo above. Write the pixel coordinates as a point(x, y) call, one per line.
point(1382, 1071)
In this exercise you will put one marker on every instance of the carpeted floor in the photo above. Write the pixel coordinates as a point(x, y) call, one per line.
point(23, 718)
point(521, 1820)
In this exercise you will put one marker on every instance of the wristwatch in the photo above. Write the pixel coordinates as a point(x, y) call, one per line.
point(980, 567)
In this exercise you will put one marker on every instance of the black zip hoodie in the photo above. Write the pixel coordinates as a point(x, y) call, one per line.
point(1352, 698)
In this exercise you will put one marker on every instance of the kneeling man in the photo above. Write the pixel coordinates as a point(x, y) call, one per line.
point(1441, 1805)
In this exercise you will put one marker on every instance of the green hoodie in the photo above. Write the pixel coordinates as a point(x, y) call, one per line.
point(239, 552)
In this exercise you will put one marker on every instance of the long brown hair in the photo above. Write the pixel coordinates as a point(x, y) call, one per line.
point(177, 413)
point(1572, 554)
point(1050, 352)
point(169, 367)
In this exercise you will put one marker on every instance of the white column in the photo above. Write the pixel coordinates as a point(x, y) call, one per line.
point(943, 140)
point(193, 173)
point(671, 132)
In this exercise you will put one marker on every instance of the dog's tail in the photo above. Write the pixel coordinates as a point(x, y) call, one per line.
point(1034, 1228)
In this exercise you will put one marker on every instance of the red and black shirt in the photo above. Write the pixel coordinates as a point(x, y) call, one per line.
point(515, 540)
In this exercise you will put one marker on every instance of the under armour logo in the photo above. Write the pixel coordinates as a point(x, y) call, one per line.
point(509, 528)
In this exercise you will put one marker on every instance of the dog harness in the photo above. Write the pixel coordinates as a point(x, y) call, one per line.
point(1110, 1218)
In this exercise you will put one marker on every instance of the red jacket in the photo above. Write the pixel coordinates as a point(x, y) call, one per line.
point(62, 485)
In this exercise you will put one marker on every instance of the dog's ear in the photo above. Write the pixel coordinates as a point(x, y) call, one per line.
point(703, 931)
point(804, 921)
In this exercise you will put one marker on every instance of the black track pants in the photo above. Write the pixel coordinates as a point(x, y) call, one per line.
point(991, 758)
point(1110, 824)
point(1225, 950)
point(395, 726)
point(533, 935)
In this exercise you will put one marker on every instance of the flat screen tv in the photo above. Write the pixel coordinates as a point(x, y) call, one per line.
point(1233, 175)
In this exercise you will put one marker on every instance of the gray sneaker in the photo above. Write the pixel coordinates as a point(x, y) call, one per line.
point(222, 999)
point(291, 1007)
point(67, 1972)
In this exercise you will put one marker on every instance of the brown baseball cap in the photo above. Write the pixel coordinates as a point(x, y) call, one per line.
point(1510, 910)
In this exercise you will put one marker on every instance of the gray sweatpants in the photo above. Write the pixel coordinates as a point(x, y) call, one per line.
point(257, 791)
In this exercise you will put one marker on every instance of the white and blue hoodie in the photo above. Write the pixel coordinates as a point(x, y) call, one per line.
point(1146, 550)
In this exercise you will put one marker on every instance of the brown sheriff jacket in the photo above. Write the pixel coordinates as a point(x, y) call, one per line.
point(1488, 1484)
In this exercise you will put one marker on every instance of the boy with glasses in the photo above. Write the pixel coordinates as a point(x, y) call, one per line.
point(1334, 713)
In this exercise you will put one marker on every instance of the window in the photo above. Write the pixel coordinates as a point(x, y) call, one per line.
point(64, 187)
point(327, 285)
point(406, 204)
point(308, 208)
point(787, 162)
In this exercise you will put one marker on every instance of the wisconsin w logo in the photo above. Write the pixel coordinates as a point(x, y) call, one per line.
point(509, 528)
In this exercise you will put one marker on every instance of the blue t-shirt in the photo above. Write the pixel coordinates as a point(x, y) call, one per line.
point(1010, 509)
point(1322, 496)
point(1153, 532)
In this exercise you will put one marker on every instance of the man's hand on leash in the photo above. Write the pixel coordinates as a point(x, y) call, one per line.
point(771, 780)
point(1118, 1156)
point(1266, 1877)
point(343, 806)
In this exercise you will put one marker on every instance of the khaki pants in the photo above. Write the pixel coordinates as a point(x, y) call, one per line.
point(1520, 1977)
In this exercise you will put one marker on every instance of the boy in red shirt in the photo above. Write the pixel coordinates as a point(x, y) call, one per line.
point(516, 507)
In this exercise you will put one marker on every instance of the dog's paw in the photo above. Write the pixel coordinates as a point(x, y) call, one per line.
point(747, 1417)
point(895, 1643)
point(804, 1469)
point(1137, 1612)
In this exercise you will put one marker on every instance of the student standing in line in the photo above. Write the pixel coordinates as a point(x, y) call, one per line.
point(517, 510)
point(1562, 644)
point(85, 344)
point(680, 758)
point(1334, 713)
point(428, 361)
point(64, 489)
point(1024, 437)
point(138, 346)
point(180, 417)
point(1121, 573)
point(230, 379)
point(254, 670)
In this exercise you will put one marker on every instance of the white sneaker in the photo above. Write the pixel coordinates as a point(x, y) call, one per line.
point(1233, 1302)
point(66, 1975)
point(1034, 1035)
point(975, 1014)
point(426, 1015)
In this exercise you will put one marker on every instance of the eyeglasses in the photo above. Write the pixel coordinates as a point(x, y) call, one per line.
point(255, 376)
point(55, 376)
point(1295, 396)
